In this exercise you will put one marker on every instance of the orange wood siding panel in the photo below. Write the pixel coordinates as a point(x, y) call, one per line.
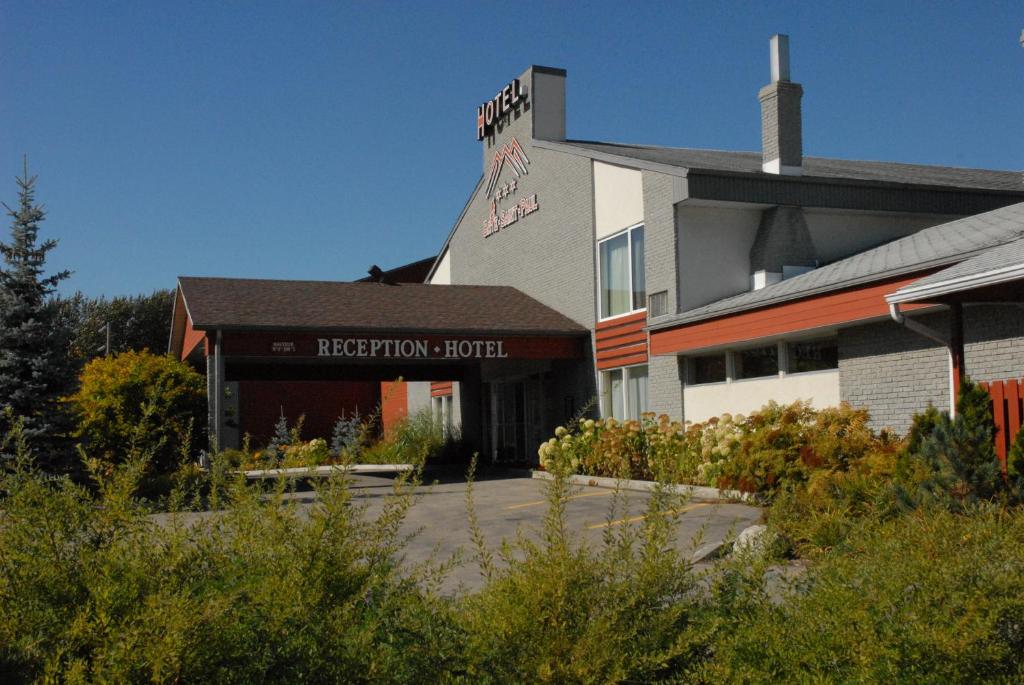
point(440, 388)
point(191, 339)
point(621, 341)
point(829, 309)
point(394, 404)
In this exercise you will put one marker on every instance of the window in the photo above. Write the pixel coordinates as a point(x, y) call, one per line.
point(813, 355)
point(624, 392)
point(621, 265)
point(757, 362)
point(709, 368)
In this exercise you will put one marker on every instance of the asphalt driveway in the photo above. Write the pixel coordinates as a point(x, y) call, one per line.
point(508, 502)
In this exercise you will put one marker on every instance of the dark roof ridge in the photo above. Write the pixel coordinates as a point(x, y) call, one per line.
point(645, 146)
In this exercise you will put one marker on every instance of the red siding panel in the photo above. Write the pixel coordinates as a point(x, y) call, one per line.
point(621, 341)
point(846, 306)
point(192, 338)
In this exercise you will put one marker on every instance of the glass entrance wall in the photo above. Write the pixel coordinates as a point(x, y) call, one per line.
point(513, 420)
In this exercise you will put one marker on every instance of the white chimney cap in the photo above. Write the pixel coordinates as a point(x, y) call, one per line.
point(780, 57)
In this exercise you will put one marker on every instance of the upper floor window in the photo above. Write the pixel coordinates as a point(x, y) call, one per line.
point(621, 267)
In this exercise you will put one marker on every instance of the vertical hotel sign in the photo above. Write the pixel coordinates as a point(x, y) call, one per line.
point(510, 154)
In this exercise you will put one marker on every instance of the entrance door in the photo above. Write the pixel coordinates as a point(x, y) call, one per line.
point(511, 421)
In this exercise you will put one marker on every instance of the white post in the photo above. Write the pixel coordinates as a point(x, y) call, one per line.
point(218, 391)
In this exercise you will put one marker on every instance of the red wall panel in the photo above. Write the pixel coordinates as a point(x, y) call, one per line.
point(394, 403)
point(322, 402)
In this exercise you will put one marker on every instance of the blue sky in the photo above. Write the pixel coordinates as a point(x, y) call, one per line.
point(310, 140)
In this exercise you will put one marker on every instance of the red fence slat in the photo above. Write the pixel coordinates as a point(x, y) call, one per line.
point(1007, 413)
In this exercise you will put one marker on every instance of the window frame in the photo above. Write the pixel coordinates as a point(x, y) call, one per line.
point(626, 372)
point(629, 248)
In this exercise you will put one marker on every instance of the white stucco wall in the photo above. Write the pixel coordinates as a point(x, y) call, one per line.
point(701, 402)
point(713, 248)
point(443, 273)
point(618, 198)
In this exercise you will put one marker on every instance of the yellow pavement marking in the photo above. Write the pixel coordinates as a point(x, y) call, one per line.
point(634, 519)
point(544, 501)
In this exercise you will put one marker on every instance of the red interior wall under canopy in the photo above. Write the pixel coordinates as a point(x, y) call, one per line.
point(322, 402)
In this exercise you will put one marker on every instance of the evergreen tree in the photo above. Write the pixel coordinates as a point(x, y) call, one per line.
point(35, 364)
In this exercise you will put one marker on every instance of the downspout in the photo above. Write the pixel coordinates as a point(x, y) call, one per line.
point(931, 334)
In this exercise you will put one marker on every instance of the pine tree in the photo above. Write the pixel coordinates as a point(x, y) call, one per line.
point(35, 364)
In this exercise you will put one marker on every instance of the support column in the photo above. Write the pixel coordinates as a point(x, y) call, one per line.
point(218, 394)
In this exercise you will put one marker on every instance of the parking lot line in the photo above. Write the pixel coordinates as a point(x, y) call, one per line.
point(634, 519)
point(544, 501)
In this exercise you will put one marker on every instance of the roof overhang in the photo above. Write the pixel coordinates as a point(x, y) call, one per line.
point(983, 284)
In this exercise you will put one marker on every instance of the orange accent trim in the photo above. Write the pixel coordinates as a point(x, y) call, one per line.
point(844, 306)
point(615, 363)
point(191, 339)
point(440, 388)
point(629, 338)
point(621, 341)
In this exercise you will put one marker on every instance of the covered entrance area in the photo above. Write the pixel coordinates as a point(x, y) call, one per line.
point(499, 361)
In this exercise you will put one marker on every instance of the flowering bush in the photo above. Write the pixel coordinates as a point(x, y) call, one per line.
point(780, 444)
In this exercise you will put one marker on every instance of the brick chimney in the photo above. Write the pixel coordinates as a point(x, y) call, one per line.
point(781, 135)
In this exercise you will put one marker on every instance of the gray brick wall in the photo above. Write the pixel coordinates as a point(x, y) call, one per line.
point(549, 255)
point(664, 388)
point(660, 236)
point(894, 373)
point(664, 391)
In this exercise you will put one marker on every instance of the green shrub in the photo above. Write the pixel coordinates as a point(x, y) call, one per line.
point(259, 592)
point(142, 403)
point(414, 439)
point(929, 597)
point(557, 610)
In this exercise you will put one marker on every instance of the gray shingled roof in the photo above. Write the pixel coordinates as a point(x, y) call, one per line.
point(750, 162)
point(932, 247)
point(257, 304)
point(1007, 260)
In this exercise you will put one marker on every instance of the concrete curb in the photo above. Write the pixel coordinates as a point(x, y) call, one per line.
point(322, 471)
point(697, 492)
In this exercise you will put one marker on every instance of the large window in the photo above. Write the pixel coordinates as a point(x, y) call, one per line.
point(757, 362)
point(623, 285)
point(813, 355)
point(624, 392)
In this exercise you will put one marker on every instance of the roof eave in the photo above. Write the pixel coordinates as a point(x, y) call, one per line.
point(925, 292)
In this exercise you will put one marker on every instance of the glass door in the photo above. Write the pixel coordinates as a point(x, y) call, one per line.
point(510, 421)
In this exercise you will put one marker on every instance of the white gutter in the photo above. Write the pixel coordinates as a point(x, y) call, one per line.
point(931, 334)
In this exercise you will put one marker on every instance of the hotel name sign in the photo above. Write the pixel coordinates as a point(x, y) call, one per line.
point(489, 113)
point(393, 348)
point(359, 347)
